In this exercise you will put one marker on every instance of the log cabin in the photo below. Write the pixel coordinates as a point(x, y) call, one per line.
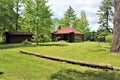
point(68, 34)
point(17, 37)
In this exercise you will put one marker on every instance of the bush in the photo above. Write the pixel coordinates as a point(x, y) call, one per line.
point(26, 42)
point(109, 38)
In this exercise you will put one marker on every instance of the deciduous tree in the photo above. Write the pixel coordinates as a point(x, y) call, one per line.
point(38, 15)
point(17, 8)
point(7, 16)
point(83, 25)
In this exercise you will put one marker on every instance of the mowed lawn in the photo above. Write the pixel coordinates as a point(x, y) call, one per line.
point(16, 66)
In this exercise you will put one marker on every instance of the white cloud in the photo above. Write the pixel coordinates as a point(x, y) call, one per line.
point(90, 6)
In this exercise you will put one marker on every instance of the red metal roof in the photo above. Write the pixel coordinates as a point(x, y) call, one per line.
point(67, 30)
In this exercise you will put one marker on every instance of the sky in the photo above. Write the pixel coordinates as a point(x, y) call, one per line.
point(89, 6)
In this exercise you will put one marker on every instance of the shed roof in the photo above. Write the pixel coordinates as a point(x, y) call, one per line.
point(67, 30)
point(19, 33)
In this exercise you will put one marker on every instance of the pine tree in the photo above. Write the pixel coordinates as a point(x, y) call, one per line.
point(69, 18)
point(105, 14)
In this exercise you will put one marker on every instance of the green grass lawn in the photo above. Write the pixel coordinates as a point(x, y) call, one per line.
point(15, 66)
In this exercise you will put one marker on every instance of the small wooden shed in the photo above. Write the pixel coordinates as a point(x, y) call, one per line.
point(17, 37)
point(68, 34)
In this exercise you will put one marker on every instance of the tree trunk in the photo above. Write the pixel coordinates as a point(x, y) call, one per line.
point(116, 33)
point(17, 15)
point(37, 26)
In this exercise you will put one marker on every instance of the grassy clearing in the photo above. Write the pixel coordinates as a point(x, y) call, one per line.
point(86, 51)
point(15, 66)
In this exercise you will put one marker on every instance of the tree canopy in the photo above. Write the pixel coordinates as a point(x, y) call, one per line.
point(7, 16)
point(105, 14)
point(83, 25)
point(38, 17)
point(69, 18)
point(35, 16)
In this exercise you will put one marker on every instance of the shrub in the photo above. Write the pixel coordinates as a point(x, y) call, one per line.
point(109, 38)
point(26, 42)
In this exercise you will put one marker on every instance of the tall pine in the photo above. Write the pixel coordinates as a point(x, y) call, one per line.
point(69, 18)
point(105, 14)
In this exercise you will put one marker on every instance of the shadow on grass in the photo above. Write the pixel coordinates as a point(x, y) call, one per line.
point(70, 74)
point(9, 46)
point(107, 47)
point(101, 50)
point(1, 73)
point(45, 44)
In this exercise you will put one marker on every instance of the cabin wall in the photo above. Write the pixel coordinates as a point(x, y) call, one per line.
point(56, 37)
point(78, 38)
point(7, 39)
point(19, 38)
point(71, 37)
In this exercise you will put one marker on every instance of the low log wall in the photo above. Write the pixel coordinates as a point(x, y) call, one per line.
point(82, 63)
